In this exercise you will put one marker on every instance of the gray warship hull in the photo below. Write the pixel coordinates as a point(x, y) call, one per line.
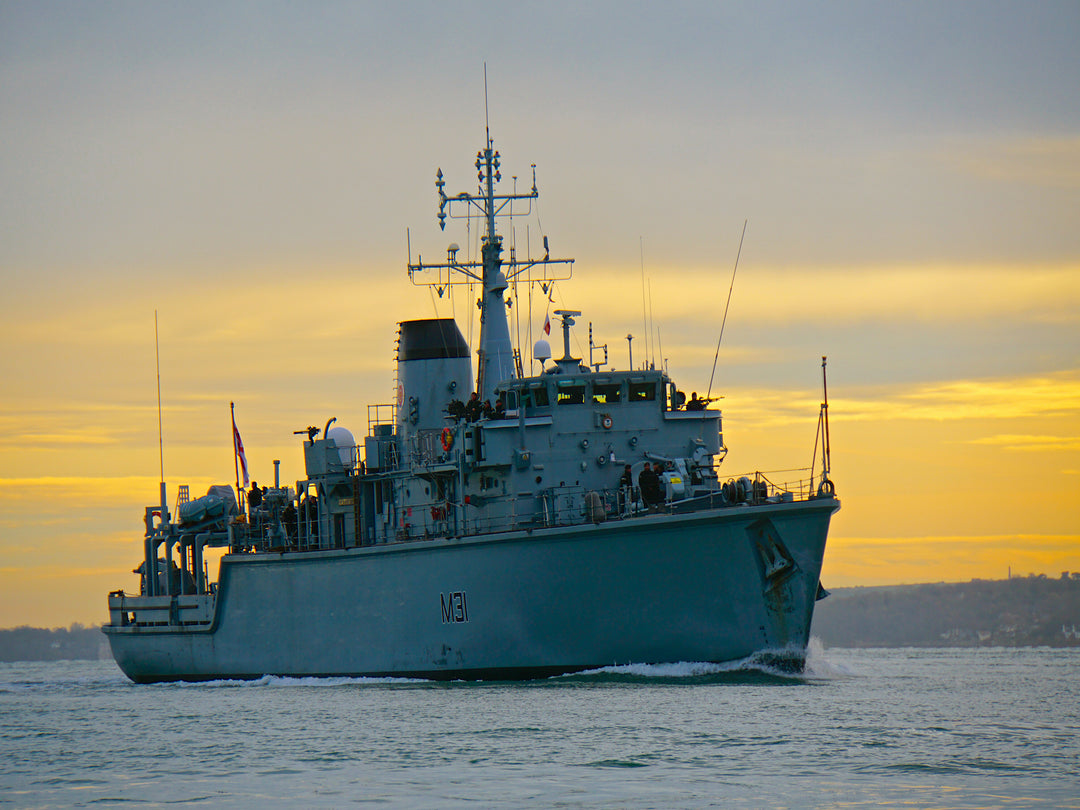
point(711, 585)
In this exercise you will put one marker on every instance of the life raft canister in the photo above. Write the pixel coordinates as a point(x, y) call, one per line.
point(447, 438)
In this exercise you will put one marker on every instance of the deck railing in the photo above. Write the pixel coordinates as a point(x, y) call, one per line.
point(550, 507)
point(161, 611)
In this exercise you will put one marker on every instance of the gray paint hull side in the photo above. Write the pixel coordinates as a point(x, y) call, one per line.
point(657, 589)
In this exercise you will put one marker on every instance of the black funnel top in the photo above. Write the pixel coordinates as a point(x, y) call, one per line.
point(431, 339)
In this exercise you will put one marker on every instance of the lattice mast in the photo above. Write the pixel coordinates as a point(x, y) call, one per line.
point(495, 353)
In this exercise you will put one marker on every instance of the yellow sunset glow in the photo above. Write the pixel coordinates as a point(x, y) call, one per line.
point(916, 226)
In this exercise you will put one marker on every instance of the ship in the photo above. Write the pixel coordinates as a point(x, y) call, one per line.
point(490, 525)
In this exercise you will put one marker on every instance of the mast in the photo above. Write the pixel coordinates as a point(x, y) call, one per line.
point(495, 352)
point(496, 355)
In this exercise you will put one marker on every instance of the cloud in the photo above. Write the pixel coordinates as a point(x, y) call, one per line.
point(1069, 542)
point(66, 438)
point(1016, 398)
point(1051, 395)
point(1043, 161)
point(60, 493)
point(897, 560)
point(802, 294)
point(1011, 441)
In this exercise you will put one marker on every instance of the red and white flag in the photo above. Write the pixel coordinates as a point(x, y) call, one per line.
point(238, 448)
point(547, 324)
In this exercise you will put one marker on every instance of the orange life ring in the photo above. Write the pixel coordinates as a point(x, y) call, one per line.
point(447, 438)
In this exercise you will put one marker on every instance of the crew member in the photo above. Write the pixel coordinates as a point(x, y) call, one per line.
point(473, 408)
point(649, 484)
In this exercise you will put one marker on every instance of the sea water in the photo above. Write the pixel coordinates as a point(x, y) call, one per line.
point(976, 728)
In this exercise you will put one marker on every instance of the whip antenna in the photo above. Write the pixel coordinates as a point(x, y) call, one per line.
point(487, 125)
point(644, 311)
point(728, 304)
point(157, 364)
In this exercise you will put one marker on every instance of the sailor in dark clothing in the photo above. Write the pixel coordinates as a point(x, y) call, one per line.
point(489, 411)
point(255, 497)
point(695, 404)
point(288, 518)
point(627, 479)
point(473, 408)
point(500, 409)
point(649, 483)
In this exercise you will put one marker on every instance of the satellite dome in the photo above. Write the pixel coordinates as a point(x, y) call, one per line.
point(344, 441)
point(542, 350)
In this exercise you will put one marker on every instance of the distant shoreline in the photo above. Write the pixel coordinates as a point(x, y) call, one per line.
point(1032, 611)
point(75, 643)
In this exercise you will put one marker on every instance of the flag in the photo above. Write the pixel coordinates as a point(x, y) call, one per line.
point(238, 448)
point(547, 324)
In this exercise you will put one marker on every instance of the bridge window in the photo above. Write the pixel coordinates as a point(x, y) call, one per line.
point(642, 391)
point(572, 393)
point(606, 393)
point(539, 396)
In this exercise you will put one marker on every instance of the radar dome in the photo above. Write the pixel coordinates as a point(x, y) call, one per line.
point(542, 350)
point(344, 441)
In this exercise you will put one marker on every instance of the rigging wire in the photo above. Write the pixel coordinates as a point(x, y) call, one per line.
point(529, 287)
point(652, 329)
point(157, 364)
point(728, 304)
point(644, 315)
point(471, 256)
point(517, 290)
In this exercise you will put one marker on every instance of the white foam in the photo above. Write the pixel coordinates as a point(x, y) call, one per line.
point(818, 665)
point(689, 669)
point(281, 680)
point(681, 669)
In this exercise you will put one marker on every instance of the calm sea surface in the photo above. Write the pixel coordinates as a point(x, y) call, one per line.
point(863, 728)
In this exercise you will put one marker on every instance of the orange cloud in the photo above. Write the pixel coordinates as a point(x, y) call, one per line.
point(1025, 443)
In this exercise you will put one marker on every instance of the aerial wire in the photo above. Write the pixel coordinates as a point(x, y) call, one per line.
point(652, 329)
point(157, 364)
point(487, 127)
point(728, 304)
point(644, 314)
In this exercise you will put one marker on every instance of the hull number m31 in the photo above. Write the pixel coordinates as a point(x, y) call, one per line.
point(454, 607)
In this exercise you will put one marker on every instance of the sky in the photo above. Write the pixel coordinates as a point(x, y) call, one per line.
point(256, 174)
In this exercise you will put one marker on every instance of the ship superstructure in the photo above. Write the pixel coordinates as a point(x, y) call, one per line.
point(496, 525)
